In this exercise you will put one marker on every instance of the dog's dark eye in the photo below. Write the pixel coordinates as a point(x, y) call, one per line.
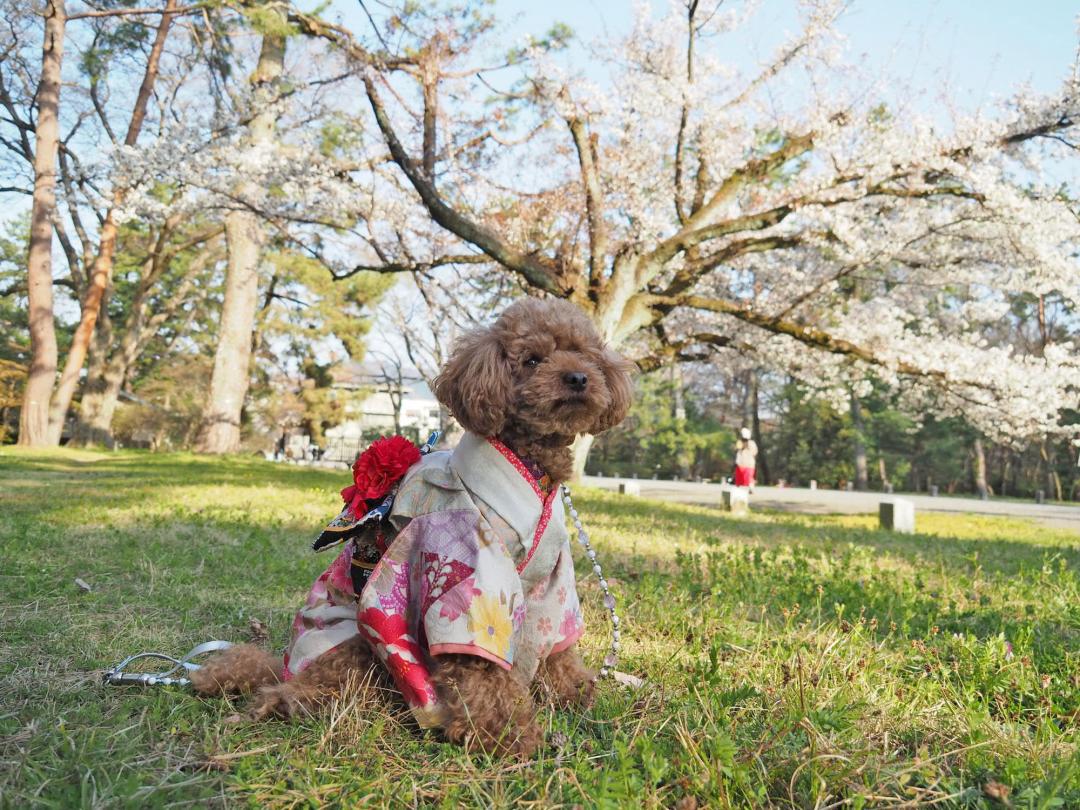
point(532, 361)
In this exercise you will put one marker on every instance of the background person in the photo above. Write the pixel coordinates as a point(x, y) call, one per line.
point(745, 460)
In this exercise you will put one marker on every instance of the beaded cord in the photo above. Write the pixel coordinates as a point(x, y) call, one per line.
point(611, 660)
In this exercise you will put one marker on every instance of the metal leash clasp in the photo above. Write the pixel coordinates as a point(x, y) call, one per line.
point(117, 676)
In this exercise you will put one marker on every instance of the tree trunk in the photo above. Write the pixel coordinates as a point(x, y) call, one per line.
point(34, 416)
point(89, 429)
point(98, 408)
point(862, 478)
point(1053, 480)
point(581, 449)
point(107, 369)
point(678, 404)
point(981, 488)
point(101, 274)
point(762, 469)
point(245, 238)
point(232, 360)
point(100, 277)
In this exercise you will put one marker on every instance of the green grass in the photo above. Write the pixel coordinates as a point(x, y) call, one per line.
point(790, 661)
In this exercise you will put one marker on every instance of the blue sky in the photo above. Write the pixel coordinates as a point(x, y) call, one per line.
point(982, 47)
point(978, 49)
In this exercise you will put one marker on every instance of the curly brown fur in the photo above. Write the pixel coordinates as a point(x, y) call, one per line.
point(566, 679)
point(486, 706)
point(536, 379)
point(317, 685)
point(236, 671)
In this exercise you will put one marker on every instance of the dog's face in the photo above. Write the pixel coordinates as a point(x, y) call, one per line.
point(541, 370)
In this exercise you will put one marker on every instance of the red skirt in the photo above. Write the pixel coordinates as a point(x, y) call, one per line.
point(744, 476)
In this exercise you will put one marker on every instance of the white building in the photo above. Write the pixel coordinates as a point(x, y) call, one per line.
point(391, 390)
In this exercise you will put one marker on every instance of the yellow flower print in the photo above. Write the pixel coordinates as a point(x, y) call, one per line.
point(490, 625)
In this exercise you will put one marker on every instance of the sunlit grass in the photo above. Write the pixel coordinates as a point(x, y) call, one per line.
point(790, 661)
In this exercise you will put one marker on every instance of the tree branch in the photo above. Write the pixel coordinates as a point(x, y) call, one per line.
point(126, 12)
point(675, 350)
point(412, 267)
point(594, 201)
point(535, 273)
point(689, 275)
point(808, 335)
point(20, 287)
point(793, 147)
point(686, 239)
point(153, 62)
point(684, 115)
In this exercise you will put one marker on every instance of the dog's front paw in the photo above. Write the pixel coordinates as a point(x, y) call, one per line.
point(577, 695)
point(275, 701)
point(519, 741)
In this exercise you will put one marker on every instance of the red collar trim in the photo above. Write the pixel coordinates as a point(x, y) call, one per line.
point(518, 464)
point(546, 502)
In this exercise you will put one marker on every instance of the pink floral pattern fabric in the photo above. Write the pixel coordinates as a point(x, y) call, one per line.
point(480, 565)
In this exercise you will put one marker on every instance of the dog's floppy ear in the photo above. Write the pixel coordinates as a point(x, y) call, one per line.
point(617, 370)
point(475, 384)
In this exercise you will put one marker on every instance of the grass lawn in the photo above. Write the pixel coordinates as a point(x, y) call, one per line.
point(790, 661)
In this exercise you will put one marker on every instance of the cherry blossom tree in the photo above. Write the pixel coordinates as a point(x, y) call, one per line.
point(695, 211)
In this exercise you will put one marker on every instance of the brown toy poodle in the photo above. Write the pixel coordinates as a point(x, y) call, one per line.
point(472, 608)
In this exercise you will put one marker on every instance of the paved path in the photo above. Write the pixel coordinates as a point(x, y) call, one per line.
point(831, 501)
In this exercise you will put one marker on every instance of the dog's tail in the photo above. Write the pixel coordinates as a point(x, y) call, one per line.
point(237, 670)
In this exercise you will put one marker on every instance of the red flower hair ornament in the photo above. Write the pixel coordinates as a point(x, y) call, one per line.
point(377, 469)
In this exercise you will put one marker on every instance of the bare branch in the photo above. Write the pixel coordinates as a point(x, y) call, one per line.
point(684, 115)
point(594, 200)
point(20, 288)
point(412, 267)
point(536, 273)
point(126, 12)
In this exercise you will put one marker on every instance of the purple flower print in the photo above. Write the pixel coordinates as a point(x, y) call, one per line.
point(396, 601)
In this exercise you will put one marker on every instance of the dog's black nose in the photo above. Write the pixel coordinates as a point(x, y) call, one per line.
point(576, 380)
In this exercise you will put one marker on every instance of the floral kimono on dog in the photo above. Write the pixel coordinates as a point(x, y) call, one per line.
point(478, 563)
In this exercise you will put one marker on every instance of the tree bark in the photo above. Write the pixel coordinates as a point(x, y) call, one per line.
point(678, 404)
point(862, 479)
point(581, 449)
point(762, 469)
point(245, 238)
point(101, 273)
point(979, 468)
point(90, 430)
point(232, 360)
point(34, 416)
point(1053, 480)
point(98, 408)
